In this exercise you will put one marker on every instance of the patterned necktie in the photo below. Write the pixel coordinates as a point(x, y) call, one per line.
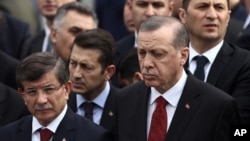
point(201, 61)
point(158, 128)
point(88, 109)
point(45, 134)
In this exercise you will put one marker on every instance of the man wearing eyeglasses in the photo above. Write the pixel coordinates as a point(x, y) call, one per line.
point(43, 83)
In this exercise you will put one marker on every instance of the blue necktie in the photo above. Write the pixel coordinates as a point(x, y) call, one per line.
point(201, 61)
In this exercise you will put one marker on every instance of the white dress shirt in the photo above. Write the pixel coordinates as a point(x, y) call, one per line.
point(100, 101)
point(172, 96)
point(210, 54)
point(52, 126)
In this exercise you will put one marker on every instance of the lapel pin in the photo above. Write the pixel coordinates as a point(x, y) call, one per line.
point(111, 113)
point(187, 106)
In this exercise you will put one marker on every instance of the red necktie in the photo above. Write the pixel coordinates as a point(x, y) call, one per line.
point(158, 126)
point(45, 134)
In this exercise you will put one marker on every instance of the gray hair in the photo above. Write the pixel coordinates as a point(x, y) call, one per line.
point(180, 32)
point(81, 8)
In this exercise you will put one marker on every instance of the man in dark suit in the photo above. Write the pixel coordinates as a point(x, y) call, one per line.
point(140, 12)
point(43, 83)
point(91, 66)
point(13, 34)
point(8, 70)
point(40, 42)
point(227, 67)
point(12, 106)
point(193, 110)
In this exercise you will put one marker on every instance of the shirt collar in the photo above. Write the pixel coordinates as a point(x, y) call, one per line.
point(53, 125)
point(99, 100)
point(173, 94)
point(210, 54)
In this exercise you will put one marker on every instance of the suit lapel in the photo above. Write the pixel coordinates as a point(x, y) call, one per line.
point(187, 106)
point(25, 129)
point(219, 64)
point(140, 112)
point(107, 119)
point(66, 128)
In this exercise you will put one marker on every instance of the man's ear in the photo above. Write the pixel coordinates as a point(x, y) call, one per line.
point(182, 15)
point(110, 70)
point(137, 77)
point(53, 34)
point(20, 93)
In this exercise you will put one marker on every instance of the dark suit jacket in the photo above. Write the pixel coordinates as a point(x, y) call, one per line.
point(244, 39)
point(33, 44)
point(73, 128)
point(230, 72)
point(209, 117)
point(13, 34)
point(8, 70)
point(12, 106)
point(107, 121)
point(110, 17)
point(234, 30)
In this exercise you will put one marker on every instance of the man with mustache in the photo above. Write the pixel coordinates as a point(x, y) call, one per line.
point(170, 104)
point(226, 66)
point(43, 83)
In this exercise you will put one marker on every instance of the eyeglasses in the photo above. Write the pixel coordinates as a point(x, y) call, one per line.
point(47, 90)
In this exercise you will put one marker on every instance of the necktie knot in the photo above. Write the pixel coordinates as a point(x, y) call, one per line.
point(88, 109)
point(201, 61)
point(45, 134)
point(161, 103)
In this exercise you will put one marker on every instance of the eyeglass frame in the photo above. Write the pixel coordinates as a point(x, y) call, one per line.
point(47, 90)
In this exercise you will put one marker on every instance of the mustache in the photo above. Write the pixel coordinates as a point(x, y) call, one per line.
point(43, 107)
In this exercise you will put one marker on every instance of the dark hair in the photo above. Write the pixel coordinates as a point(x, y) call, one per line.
point(129, 65)
point(180, 32)
point(98, 39)
point(73, 6)
point(36, 65)
point(185, 4)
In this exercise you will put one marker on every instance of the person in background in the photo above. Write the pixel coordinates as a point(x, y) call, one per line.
point(12, 107)
point(127, 18)
point(141, 10)
point(91, 67)
point(170, 98)
point(70, 20)
point(41, 42)
point(43, 83)
point(110, 17)
point(129, 69)
point(222, 64)
point(13, 35)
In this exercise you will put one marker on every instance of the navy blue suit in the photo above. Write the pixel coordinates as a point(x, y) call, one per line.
point(13, 35)
point(110, 16)
point(12, 106)
point(73, 128)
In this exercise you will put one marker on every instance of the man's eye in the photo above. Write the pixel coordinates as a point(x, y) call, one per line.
point(49, 90)
point(31, 92)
